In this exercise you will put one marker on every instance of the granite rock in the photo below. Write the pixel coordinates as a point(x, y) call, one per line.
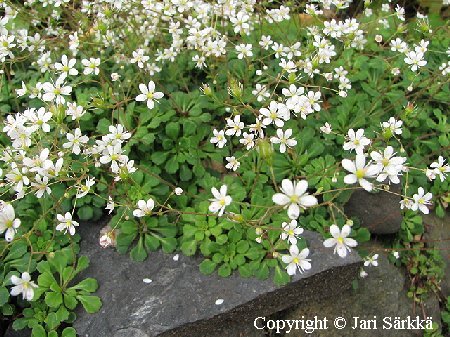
point(381, 294)
point(180, 301)
point(379, 212)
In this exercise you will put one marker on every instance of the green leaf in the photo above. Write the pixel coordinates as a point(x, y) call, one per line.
point(245, 271)
point(46, 279)
point(53, 300)
point(90, 285)
point(280, 277)
point(362, 235)
point(159, 157)
point(139, 253)
point(172, 130)
point(151, 243)
point(189, 247)
point(4, 296)
point(224, 270)
point(52, 321)
point(103, 125)
point(91, 304)
point(38, 331)
point(207, 266)
point(82, 264)
point(85, 212)
point(69, 332)
point(70, 302)
point(242, 247)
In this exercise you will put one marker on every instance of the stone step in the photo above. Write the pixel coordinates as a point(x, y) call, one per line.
point(180, 301)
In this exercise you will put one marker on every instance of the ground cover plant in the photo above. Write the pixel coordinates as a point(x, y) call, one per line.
point(220, 128)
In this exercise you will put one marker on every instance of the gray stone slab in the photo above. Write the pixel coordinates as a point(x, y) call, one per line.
point(382, 294)
point(379, 212)
point(180, 301)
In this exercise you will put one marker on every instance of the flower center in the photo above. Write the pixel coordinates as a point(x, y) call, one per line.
point(360, 173)
point(340, 240)
point(294, 198)
point(296, 260)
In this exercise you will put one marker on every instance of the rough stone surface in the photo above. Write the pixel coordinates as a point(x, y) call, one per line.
point(10, 332)
point(378, 212)
point(180, 301)
point(382, 294)
point(437, 234)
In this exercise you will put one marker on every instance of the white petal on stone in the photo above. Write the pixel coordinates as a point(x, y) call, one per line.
point(147, 280)
point(219, 301)
point(176, 257)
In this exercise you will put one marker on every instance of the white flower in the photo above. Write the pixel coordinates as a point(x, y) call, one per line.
point(220, 200)
point(363, 273)
point(8, 221)
point(91, 66)
point(110, 205)
point(75, 140)
point(421, 200)
point(291, 231)
point(283, 138)
point(388, 165)
point(55, 91)
point(148, 94)
point(115, 77)
point(294, 197)
point(395, 126)
point(356, 141)
point(340, 240)
point(440, 169)
point(326, 128)
point(84, 189)
point(276, 113)
point(235, 126)
point(415, 59)
point(371, 261)
point(247, 140)
point(260, 91)
point(219, 138)
point(76, 112)
point(66, 67)
point(23, 285)
point(396, 255)
point(66, 223)
point(297, 260)
point(41, 186)
point(233, 163)
point(178, 191)
point(144, 208)
point(244, 50)
point(359, 171)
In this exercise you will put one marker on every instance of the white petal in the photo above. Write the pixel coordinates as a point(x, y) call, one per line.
point(280, 199)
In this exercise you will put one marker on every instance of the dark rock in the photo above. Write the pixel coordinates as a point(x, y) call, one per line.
point(180, 301)
point(10, 332)
point(381, 294)
point(437, 235)
point(378, 212)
